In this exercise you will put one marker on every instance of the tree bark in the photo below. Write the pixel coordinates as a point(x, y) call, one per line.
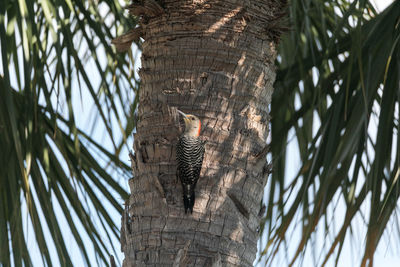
point(213, 59)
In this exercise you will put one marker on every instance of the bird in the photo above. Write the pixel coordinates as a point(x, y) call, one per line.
point(189, 155)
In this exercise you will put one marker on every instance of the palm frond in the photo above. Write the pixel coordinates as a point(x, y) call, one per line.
point(55, 54)
point(337, 96)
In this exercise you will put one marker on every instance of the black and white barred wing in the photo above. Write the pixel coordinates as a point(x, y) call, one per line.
point(190, 154)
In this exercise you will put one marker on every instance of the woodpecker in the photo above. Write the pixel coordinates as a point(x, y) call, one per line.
point(189, 155)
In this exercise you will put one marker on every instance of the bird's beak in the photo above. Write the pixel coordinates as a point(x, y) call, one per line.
point(185, 118)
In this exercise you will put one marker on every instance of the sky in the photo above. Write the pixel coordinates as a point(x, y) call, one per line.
point(385, 256)
point(382, 4)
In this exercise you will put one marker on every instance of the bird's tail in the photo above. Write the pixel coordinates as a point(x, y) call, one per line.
point(188, 201)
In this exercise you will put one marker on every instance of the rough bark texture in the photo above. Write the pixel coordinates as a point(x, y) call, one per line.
point(213, 59)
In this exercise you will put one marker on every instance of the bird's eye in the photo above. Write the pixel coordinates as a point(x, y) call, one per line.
point(192, 119)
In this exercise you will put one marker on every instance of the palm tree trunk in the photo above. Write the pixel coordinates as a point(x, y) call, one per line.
point(213, 59)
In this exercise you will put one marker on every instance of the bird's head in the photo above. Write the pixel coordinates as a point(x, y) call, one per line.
point(192, 124)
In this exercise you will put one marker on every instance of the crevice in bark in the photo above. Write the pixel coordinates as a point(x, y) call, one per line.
point(261, 154)
point(143, 153)
point(239, 206)
point(133, 163)
point(159, 187)
point(127, 220)
point(217, 261)
point(180, 259)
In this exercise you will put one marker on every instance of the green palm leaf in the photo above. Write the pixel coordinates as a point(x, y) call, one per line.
point(338, 75)
point(55, 177)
